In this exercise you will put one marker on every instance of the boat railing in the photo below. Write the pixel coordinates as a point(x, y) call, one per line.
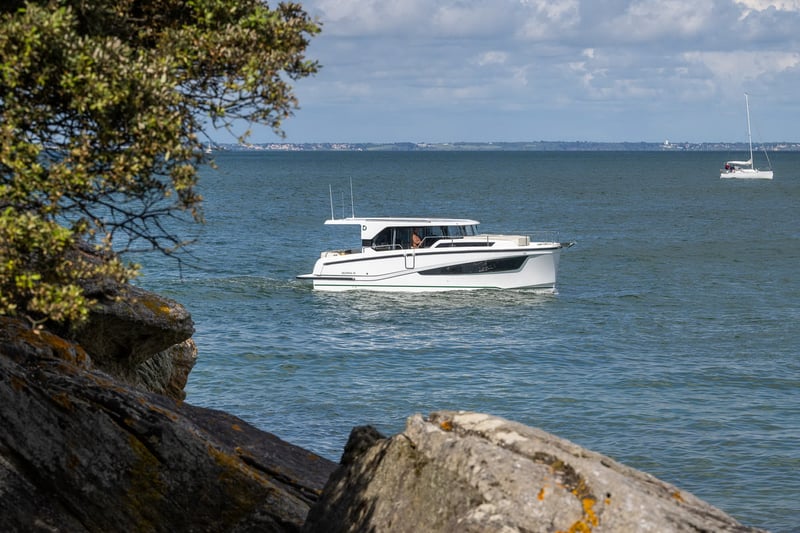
point(336, 253)
point(522, 238)
point(429, 240)
point(386, 247)
point(542, 235)
point(525, 237)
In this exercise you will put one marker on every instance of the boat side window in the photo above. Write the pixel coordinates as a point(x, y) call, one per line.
point(459, 231)
point(413, 237)
point(385, 240)
point(403, 237)
point(431, 234)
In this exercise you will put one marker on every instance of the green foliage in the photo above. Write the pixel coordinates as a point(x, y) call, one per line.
point(103, 106)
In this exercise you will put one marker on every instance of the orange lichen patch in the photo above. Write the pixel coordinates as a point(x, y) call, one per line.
point(540, 496)
point(18, 384)
point(56, 346)
point(446, 425)
point(580, 489)
point(153, 408)
point(564, 475)
point(588, 510)
point(63, 400)
point(677, 496)
point(580, 527)
point(147, 488)
point(232, 464)
point(589, 520)
point(236, 427)
point(154, 304)
point(172, 415)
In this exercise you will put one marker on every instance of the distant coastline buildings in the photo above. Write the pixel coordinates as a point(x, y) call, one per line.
point(542, 146)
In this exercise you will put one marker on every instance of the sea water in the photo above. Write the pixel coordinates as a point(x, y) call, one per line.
point(672, 344)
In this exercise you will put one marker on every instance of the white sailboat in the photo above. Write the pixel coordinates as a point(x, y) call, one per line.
point(746, 169)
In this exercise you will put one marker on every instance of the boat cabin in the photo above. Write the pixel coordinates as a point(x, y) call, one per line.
point(382, 234)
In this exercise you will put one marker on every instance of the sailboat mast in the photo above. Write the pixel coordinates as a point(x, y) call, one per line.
point(749, 135)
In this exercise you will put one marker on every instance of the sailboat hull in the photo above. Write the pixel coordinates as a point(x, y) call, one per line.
point(746, 173)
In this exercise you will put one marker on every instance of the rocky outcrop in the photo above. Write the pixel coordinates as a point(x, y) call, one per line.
point(82, 451)
point(470, 472)
point(138, 337)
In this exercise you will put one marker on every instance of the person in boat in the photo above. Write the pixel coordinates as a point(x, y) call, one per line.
point(416, 241)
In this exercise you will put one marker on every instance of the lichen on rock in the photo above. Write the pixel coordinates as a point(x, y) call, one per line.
point(472, 472)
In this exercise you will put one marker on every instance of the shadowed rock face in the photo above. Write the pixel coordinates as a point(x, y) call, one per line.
point(469, 472)
point(81, 451)
point(167, 372)
point(139, 337)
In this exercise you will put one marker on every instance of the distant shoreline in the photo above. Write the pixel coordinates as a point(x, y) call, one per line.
point(531, 146)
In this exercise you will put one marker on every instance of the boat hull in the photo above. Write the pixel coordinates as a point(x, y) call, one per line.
point(746, 173)
point(430, 271)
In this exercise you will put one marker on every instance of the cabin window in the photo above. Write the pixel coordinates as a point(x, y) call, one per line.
point(385, 240)
point(397, 238)
point(435, 231)
point(460, 231)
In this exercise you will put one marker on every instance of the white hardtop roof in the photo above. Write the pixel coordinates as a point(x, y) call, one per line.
point(403, 221)
point(748, 162)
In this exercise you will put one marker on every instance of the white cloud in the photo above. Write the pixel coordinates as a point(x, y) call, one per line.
point(655, 19)
point(366, 17)
point(468, 18)
point(761, 5)
point(491, 58)
point(748, 68)
point(535, 56)
point(409, 17)
point(546, 18)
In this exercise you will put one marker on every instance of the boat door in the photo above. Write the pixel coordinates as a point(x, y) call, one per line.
point(409, 252)
point(411, 257)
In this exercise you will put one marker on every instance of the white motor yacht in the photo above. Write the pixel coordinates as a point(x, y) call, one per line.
point(436, 254)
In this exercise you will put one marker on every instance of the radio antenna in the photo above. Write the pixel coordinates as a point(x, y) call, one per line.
point(352, 204)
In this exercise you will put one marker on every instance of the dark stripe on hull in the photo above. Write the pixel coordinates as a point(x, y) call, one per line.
point(450, 252)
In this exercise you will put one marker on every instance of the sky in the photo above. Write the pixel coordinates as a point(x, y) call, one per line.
point(438, 71)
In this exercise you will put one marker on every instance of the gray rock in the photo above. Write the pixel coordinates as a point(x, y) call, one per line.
point(81, 451)
point(167, 372)
point(361, 439)
point(137, 336)
point(470, 472)
point(129, 326)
